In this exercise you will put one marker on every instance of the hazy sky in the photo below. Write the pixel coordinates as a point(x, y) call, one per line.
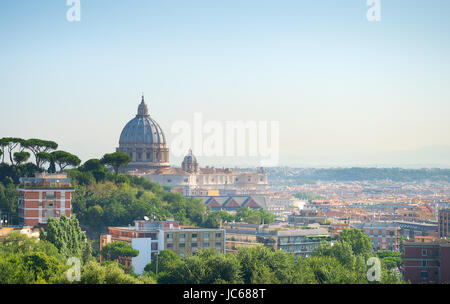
point(346, 91)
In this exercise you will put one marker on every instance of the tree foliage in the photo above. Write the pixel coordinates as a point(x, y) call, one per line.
point(116, 160)
point(119, 249)
point(21, 157)
point(66, 235)
point(64, 159)
point(37, 146)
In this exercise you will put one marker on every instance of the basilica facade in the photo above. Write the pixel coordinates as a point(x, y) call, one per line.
point(144, 141)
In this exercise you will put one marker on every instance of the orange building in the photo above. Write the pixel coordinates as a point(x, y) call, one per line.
point(44, 196)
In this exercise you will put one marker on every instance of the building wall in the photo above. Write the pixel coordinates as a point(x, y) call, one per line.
point(444, 223)
point(426, 263)
point(421, 263)
point(445, 264)
point(36, 206)
point(185, 242)
point(383, 238)
point(144, 246)
point(235, 241)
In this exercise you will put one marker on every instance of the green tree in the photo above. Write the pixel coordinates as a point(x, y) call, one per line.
point(44, 267)
point(94, 273)
point(205, 267)
point(212, 220)
point(391, 259)
point(116, 160)
point(21, 157)
point(164, 260)
point(30, 268)
point(45, 158)
point(119, 249)
point(3, 145)
point(64, 159)
point(11, 143)
point(97, 169)
point(66, 235)
point(8, 198)
point(361, 244)
point(279, 263)
point(328, 270)
point(37, 146)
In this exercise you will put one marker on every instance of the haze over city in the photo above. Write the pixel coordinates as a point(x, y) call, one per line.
point(347, 92)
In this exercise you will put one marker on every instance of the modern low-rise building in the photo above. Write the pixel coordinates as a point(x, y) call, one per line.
point(300, 241)
point(150, 237)
point(44, 196)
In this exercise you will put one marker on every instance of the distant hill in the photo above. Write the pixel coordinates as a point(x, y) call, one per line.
point(309, 175)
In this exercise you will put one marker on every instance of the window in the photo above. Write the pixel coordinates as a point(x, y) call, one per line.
point(169, 235)
point(205, 245)
point(182, 245)
point(182, 235)
point(154, 246)
point(218, 235)
point(194, 235)
point(424, 263)
point(206, 235)
point(218, 244)
point(424, 274)
point(194, 245)
point(170, 245)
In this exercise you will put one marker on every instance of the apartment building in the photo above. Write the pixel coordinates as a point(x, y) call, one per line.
point(150, 237)
point(44, 196)
point(426, 260)
point(307, 216)
point(384, 236)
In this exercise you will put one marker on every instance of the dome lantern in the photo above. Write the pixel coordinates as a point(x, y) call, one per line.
point(142, 109)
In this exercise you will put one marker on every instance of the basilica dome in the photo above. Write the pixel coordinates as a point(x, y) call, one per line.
point(142, 129)
point(143, 140)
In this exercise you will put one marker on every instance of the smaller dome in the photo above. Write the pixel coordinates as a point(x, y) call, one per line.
point(190, 163)
point(190, 158)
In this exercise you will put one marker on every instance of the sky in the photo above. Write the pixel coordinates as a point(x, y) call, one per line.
point(345, 91)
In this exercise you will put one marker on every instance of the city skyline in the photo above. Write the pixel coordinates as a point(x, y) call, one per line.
point(346, 91)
